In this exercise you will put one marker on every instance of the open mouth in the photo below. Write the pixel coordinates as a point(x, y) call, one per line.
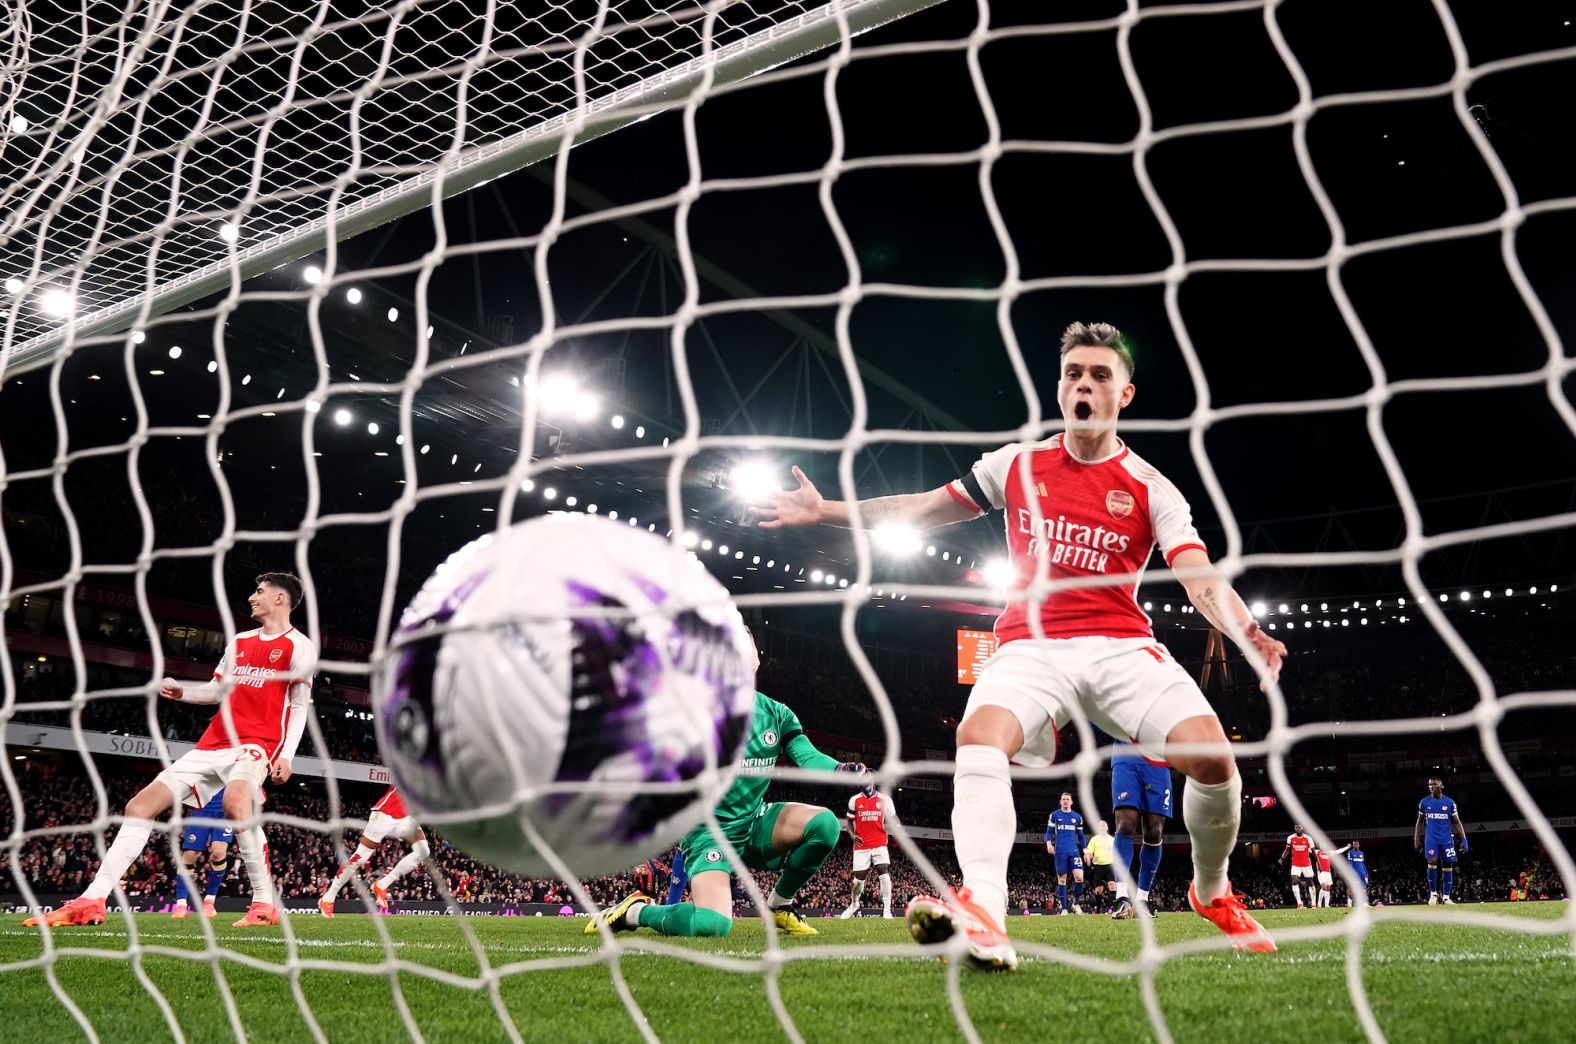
point(1083, 411)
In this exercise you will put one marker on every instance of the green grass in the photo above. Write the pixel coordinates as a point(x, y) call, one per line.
point(1435, 981)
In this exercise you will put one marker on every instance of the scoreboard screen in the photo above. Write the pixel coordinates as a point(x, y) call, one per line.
point(974, 648)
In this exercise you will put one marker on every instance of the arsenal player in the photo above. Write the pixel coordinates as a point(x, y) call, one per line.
point(1300, 847)
point(264, 683)
point(1085, 513)
point(388, 817)
point(867, 815)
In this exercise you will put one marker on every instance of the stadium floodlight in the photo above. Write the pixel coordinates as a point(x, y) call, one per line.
point(571, 501)
point(229, 232)
point(998, 572)
point(1166, 608)
point(353, 295)
point(640, 431)
point(55, 303)
point(946, 556)
point(815, 576)
point(138, 337)
point(1285, 608)
point(372, 427)
point(1466, 596)
point(1532, 590)
point(618, 420)
point(213, 367)
point(425, 447)
point(342, 417)
point(591, 509)
point(753, 480)
point(549, 493)
point(175, 351)
point(1258, 609)
point(13, 285)
point(897, 539)
point(312, 275)
point(705, 545)
point(393, 314)
point(1444, 598)
point(525, 487)
point(722, 549)
point(691, 538)
point(18, 124)
point(246, 379)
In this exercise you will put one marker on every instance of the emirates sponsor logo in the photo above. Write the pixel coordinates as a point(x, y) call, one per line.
point(1119, 502)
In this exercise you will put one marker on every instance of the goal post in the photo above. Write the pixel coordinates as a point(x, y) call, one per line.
point(64, 229)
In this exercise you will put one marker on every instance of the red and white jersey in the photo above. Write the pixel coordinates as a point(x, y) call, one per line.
point(1097, 518)
point(867, 816)
point(391, 805)
point(1301, 849)
point(266, 673)
point(1323, 860)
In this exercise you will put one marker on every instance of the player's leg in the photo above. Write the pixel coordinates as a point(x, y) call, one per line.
point(219, 842)
point(242, 783)
point(1078, 884)
point(1433, 876)
point(1061, 884)
point(1122, 844)
point(801, 837)
point(856, 882)
point(418, 854)
point(1144, 691)
point(1447, 873)
point(710, 911)
point(883, 862)
point(189, 838)
point(1149, 855)
point(378, 827)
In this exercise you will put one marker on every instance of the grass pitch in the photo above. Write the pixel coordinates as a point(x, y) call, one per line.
point(1438, 978)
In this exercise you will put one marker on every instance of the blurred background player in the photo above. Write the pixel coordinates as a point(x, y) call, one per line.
point(388, 817)
point(1300, 847)
point(1439, 835)
point(785, 836)
point(1140, 787)
point(1064, 840)
point(1321, 860)
point(205, 831)
point(1099, 856)
point(1359, 864)
point(1083, 504)
point(265, 681)
point(867, 815)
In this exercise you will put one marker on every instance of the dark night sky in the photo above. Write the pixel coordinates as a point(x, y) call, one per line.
point(1392, 167)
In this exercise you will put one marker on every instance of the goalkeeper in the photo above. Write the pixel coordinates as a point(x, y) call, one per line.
point(785, 836)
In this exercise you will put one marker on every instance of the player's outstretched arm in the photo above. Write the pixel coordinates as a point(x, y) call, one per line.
point(805, 506)
point(1417, 832)
point(1343, 848)
point(207, 692)
point(1220, 604)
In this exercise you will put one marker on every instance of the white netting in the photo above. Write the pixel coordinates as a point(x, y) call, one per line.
point(136, 135)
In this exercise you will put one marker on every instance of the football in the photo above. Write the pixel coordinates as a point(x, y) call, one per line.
point(569, 679)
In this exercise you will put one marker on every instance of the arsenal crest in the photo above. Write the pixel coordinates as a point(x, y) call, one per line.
point(1119, 502)
point(274, 654)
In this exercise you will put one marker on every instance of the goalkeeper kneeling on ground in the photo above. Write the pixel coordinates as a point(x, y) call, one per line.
point(785, 836)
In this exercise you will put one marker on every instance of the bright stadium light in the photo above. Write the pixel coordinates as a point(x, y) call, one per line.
point(213, 367)
point(525, 486)
point(1257, 608)
point(55, 303)
point(353, 295)
point(13, 285)
point(754, 480)
point(896, 539)
point(998, 572)
point(618, 420)
point(549, 493)
point(229, 232)
point(372, 427)
point(175, 351)
point(342, 417)
point(815, 576)
point(393, 314)
point(18, 124)
point(312, 275)
point(640, 431)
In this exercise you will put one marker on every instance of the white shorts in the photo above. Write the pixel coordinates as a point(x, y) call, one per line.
point(196, 776)
point(863, 857)
point(1128, 687)
point(1302, 871)
point(1324, 879)
point(380, 825)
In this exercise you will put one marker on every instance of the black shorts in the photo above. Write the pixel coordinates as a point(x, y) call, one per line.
point(1095, 874)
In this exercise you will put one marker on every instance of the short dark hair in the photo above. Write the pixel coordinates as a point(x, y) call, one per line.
point(289, 583)
point(1098, 335)
point(1066, 793)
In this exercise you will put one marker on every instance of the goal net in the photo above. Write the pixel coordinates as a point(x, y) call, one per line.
point(337, 288)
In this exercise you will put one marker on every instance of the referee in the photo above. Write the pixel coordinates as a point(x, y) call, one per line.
point(1099, 858)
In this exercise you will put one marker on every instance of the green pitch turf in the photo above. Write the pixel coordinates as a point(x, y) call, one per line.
point(1433, 981)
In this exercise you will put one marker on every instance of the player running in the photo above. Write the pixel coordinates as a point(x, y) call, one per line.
point(1321, 859)
point(1064, 841)
point(1359, 864)
point(1087, 507)
point(266, 673)
point(388, 817)
point(205, 831)
point(1439, 835)
point(1300, 847)
point(868, 812)
point(1140, 786)
point(785, 836)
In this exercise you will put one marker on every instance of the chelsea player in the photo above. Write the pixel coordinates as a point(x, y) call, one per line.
point(1140, 787)
point(1439, 835)
point(1064, 840)
point(205, 831)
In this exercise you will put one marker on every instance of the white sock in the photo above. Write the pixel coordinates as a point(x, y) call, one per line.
point(886, 891)
point(859, 889)
point(129, 842)
point(632, 915)
point(1119, 890)
point(1143, 895)
point(1212, 812)
point(417, 856)
point(984, 824)
point(254, 853)
point(346, 872)
point(777, 902)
